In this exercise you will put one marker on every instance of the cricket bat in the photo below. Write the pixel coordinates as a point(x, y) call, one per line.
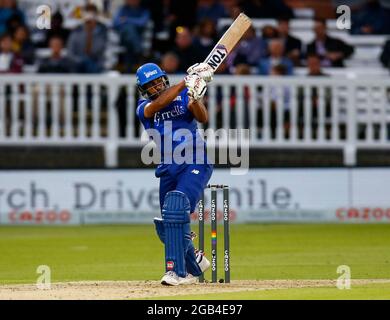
point(228, 41)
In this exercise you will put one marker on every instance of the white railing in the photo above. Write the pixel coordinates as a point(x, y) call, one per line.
point(281, 112)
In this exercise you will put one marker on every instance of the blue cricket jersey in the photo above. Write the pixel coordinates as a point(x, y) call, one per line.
point(167, 122)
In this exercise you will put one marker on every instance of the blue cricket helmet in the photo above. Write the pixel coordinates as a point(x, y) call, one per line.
point(148, 72)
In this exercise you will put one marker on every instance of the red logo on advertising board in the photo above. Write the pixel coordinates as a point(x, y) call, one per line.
point(39, 216)
point(363, 214)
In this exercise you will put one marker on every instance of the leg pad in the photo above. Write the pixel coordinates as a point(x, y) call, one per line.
point(176, 220)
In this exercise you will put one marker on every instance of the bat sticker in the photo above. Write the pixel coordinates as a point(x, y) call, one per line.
point(217, 56)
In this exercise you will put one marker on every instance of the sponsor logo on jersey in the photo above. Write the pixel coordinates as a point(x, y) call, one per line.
point(195, 171)
point(167, 115)
point(217, 56)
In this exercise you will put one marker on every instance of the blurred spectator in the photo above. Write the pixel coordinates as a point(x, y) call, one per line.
point(9, 15)
point(87, 43)
point(170, 63)
point(210, 9)
point(276, 50)
point(57, 29)
point(280, 97)
point(183, 13)
point(385, 4)
point(315, 70)
point(278, 70)
point(353, 4)
point(314, 66)
point(206, 38)
point(159, 12)
point(232, 8)
point(242, 69)
point(185, 49)
point(292, 45)
point(56, 63)
point(386, 13)
point(13, 22)
point(249, 50)
point(163, 32)
point(267, 9)
point(368, 18)
point(332, 51)
point(22, 44)
point(269, 32)
point(385, 56)
point(130, 22)
point(10, 62)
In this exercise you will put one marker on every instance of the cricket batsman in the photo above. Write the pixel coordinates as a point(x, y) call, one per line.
point(169, 109)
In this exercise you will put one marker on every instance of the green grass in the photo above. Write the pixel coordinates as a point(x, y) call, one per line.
point(258, 251)
point(365, 292)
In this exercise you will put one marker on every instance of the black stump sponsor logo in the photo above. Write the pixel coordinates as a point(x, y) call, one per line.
point(226, 258)
point(213, 260)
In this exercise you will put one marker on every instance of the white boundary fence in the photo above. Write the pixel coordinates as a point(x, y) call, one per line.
point(285, 112)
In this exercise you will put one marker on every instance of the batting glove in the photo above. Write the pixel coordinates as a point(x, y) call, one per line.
point(203, 70)
point(196, 86)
